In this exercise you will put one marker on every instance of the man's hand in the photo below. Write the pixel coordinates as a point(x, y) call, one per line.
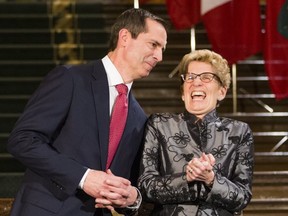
point(109, 190)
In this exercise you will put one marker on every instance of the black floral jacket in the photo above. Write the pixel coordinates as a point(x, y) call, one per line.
point(172, 140)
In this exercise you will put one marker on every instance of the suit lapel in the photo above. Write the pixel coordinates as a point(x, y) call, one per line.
point(101, 98)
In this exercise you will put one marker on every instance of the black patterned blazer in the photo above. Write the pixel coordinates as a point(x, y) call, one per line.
point(172, 140)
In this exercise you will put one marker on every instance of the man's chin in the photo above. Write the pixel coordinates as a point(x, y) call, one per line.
point(146, 73)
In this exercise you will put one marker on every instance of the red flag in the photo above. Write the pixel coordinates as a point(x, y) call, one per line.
point(276, 47)
point(233, 27)
point(183, 13)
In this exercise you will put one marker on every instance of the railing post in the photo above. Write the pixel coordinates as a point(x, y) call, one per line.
point(193, 48)
point(136, 4)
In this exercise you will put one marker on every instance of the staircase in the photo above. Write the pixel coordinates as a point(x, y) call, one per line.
point(35, 36)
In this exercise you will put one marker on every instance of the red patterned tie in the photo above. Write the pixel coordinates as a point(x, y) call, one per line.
point(118, 121)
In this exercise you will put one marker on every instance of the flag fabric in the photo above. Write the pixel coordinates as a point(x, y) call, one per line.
point(233, 27)
point(276, 47)
point(183, 13)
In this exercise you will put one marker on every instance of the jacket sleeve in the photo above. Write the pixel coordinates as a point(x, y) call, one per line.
point(233, 193)
point(31, 141)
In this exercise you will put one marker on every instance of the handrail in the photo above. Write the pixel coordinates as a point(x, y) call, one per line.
point(258, 101)
point(272, 96)
point(256, 114)
point(271, 133)
point(279, 144)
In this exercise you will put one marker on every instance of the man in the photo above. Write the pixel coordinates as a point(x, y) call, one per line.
point(62, 136)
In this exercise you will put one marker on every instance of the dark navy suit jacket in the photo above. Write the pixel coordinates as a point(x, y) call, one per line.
point(63, 130)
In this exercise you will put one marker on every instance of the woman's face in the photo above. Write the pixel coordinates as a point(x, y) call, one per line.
point(199, 97)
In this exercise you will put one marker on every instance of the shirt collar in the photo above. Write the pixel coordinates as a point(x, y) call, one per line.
point(210, 117)
point(113, 75)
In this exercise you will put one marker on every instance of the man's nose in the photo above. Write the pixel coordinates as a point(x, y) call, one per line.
point(158, 54)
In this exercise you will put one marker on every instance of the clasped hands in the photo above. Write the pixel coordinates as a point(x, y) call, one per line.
point(200, 169)
point(109, 191)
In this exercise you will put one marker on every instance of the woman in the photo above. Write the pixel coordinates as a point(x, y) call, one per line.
point(197, 163)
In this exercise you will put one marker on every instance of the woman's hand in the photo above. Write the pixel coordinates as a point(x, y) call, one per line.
point(200, 169)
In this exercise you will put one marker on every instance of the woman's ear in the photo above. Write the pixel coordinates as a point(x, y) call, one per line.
point(222, 93)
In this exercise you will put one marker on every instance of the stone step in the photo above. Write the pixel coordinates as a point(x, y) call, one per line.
point(16, 86)
point(15, 68)
point(23, 52)
point(267, 207)
point(270, 184)
point(271, 161)
point(10, 7)
point(8, 164)
point(25, 21)
point(50, 36)
point(10, 183)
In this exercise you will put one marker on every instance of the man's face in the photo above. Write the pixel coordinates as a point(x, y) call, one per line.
point(143, 53)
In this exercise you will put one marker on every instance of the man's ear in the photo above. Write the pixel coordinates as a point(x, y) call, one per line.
point(123, 34)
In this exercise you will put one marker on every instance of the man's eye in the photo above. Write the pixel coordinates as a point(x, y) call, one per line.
point(153, 45)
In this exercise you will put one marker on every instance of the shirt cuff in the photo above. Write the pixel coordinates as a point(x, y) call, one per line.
point(81, 183)
point(137, 203)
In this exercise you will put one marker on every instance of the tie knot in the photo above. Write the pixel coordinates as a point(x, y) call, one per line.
point(122, 89)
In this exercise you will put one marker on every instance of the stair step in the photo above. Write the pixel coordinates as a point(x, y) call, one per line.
point(25, 21)
point(32, 52)
point(35, 36)
point(13, 103)
point(8, 164)
point(8, 87)
point(270, 185)
point(7, 121)
point(24, 7)
point(10, 183)
point(271, 161)
point(267, 207)
point(25, 52)
point(23, 68)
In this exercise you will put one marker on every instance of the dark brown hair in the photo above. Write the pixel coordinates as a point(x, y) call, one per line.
point(134, 20)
